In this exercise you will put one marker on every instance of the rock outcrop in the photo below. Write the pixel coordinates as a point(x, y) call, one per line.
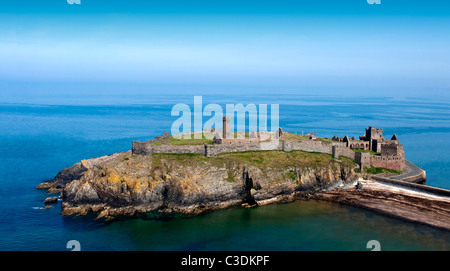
point(51, 200)
point(124, 184)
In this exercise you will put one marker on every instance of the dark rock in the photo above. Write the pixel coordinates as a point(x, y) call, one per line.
point(45, 185)
point(51, 200)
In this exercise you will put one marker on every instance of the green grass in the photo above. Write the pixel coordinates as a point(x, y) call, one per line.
point(230, 177)
point(260, 159)
point(347, 161)
point(156, 143)
point(189, 141)
point(290, 136)
point(291, 175)
point(275, 160)
point(378, 170)
point(285, 163)
point(323, 139)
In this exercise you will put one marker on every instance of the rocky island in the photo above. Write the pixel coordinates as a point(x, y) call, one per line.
point(191, 176)
point(127, 184)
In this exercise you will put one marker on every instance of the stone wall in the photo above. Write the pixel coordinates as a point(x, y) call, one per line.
point(307, 145)
point(376, 146)
point(396, 162)
point(214, 150)
point(229, 141)
point(419, 178)
point(271, 145)
point(418, 187)
point(363, 159)
point(142, 148)
point(146, 148)
point(166, 148)
point(340, 149)
point(391, 162)
point(358, 144)
point(390, 149)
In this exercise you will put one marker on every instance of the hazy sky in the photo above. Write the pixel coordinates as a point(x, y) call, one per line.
point(321, 43)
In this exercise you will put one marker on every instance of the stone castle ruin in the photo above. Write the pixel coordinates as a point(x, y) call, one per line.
point(227, 138)
point(381, 152)
point(371, 149)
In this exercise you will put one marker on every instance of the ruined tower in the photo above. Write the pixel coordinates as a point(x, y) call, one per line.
point(375, 138)
point(226, 127)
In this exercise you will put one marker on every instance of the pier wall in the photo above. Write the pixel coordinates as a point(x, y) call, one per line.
point(414, 186)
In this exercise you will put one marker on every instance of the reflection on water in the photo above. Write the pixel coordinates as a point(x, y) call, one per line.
point(300, 225)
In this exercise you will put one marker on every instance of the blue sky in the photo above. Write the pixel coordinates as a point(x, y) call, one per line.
point(334, 45)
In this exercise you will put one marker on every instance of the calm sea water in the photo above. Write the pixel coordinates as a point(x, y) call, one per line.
point(39, 138)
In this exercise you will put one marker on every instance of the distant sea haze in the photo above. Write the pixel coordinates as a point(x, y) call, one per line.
point(41, 138)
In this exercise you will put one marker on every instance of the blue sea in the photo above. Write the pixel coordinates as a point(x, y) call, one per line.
point(41, 136)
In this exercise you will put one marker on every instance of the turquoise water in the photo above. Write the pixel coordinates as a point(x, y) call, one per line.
point(42, 137)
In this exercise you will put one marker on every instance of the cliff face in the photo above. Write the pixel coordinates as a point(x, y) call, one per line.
point(126, 184)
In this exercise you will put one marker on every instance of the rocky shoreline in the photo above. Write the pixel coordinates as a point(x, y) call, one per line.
point(124, 184)
point(128, 185)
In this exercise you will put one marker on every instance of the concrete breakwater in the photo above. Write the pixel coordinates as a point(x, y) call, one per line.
point(413, 174)
point(402, 196)
point(399, 199)
point(413, 186)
